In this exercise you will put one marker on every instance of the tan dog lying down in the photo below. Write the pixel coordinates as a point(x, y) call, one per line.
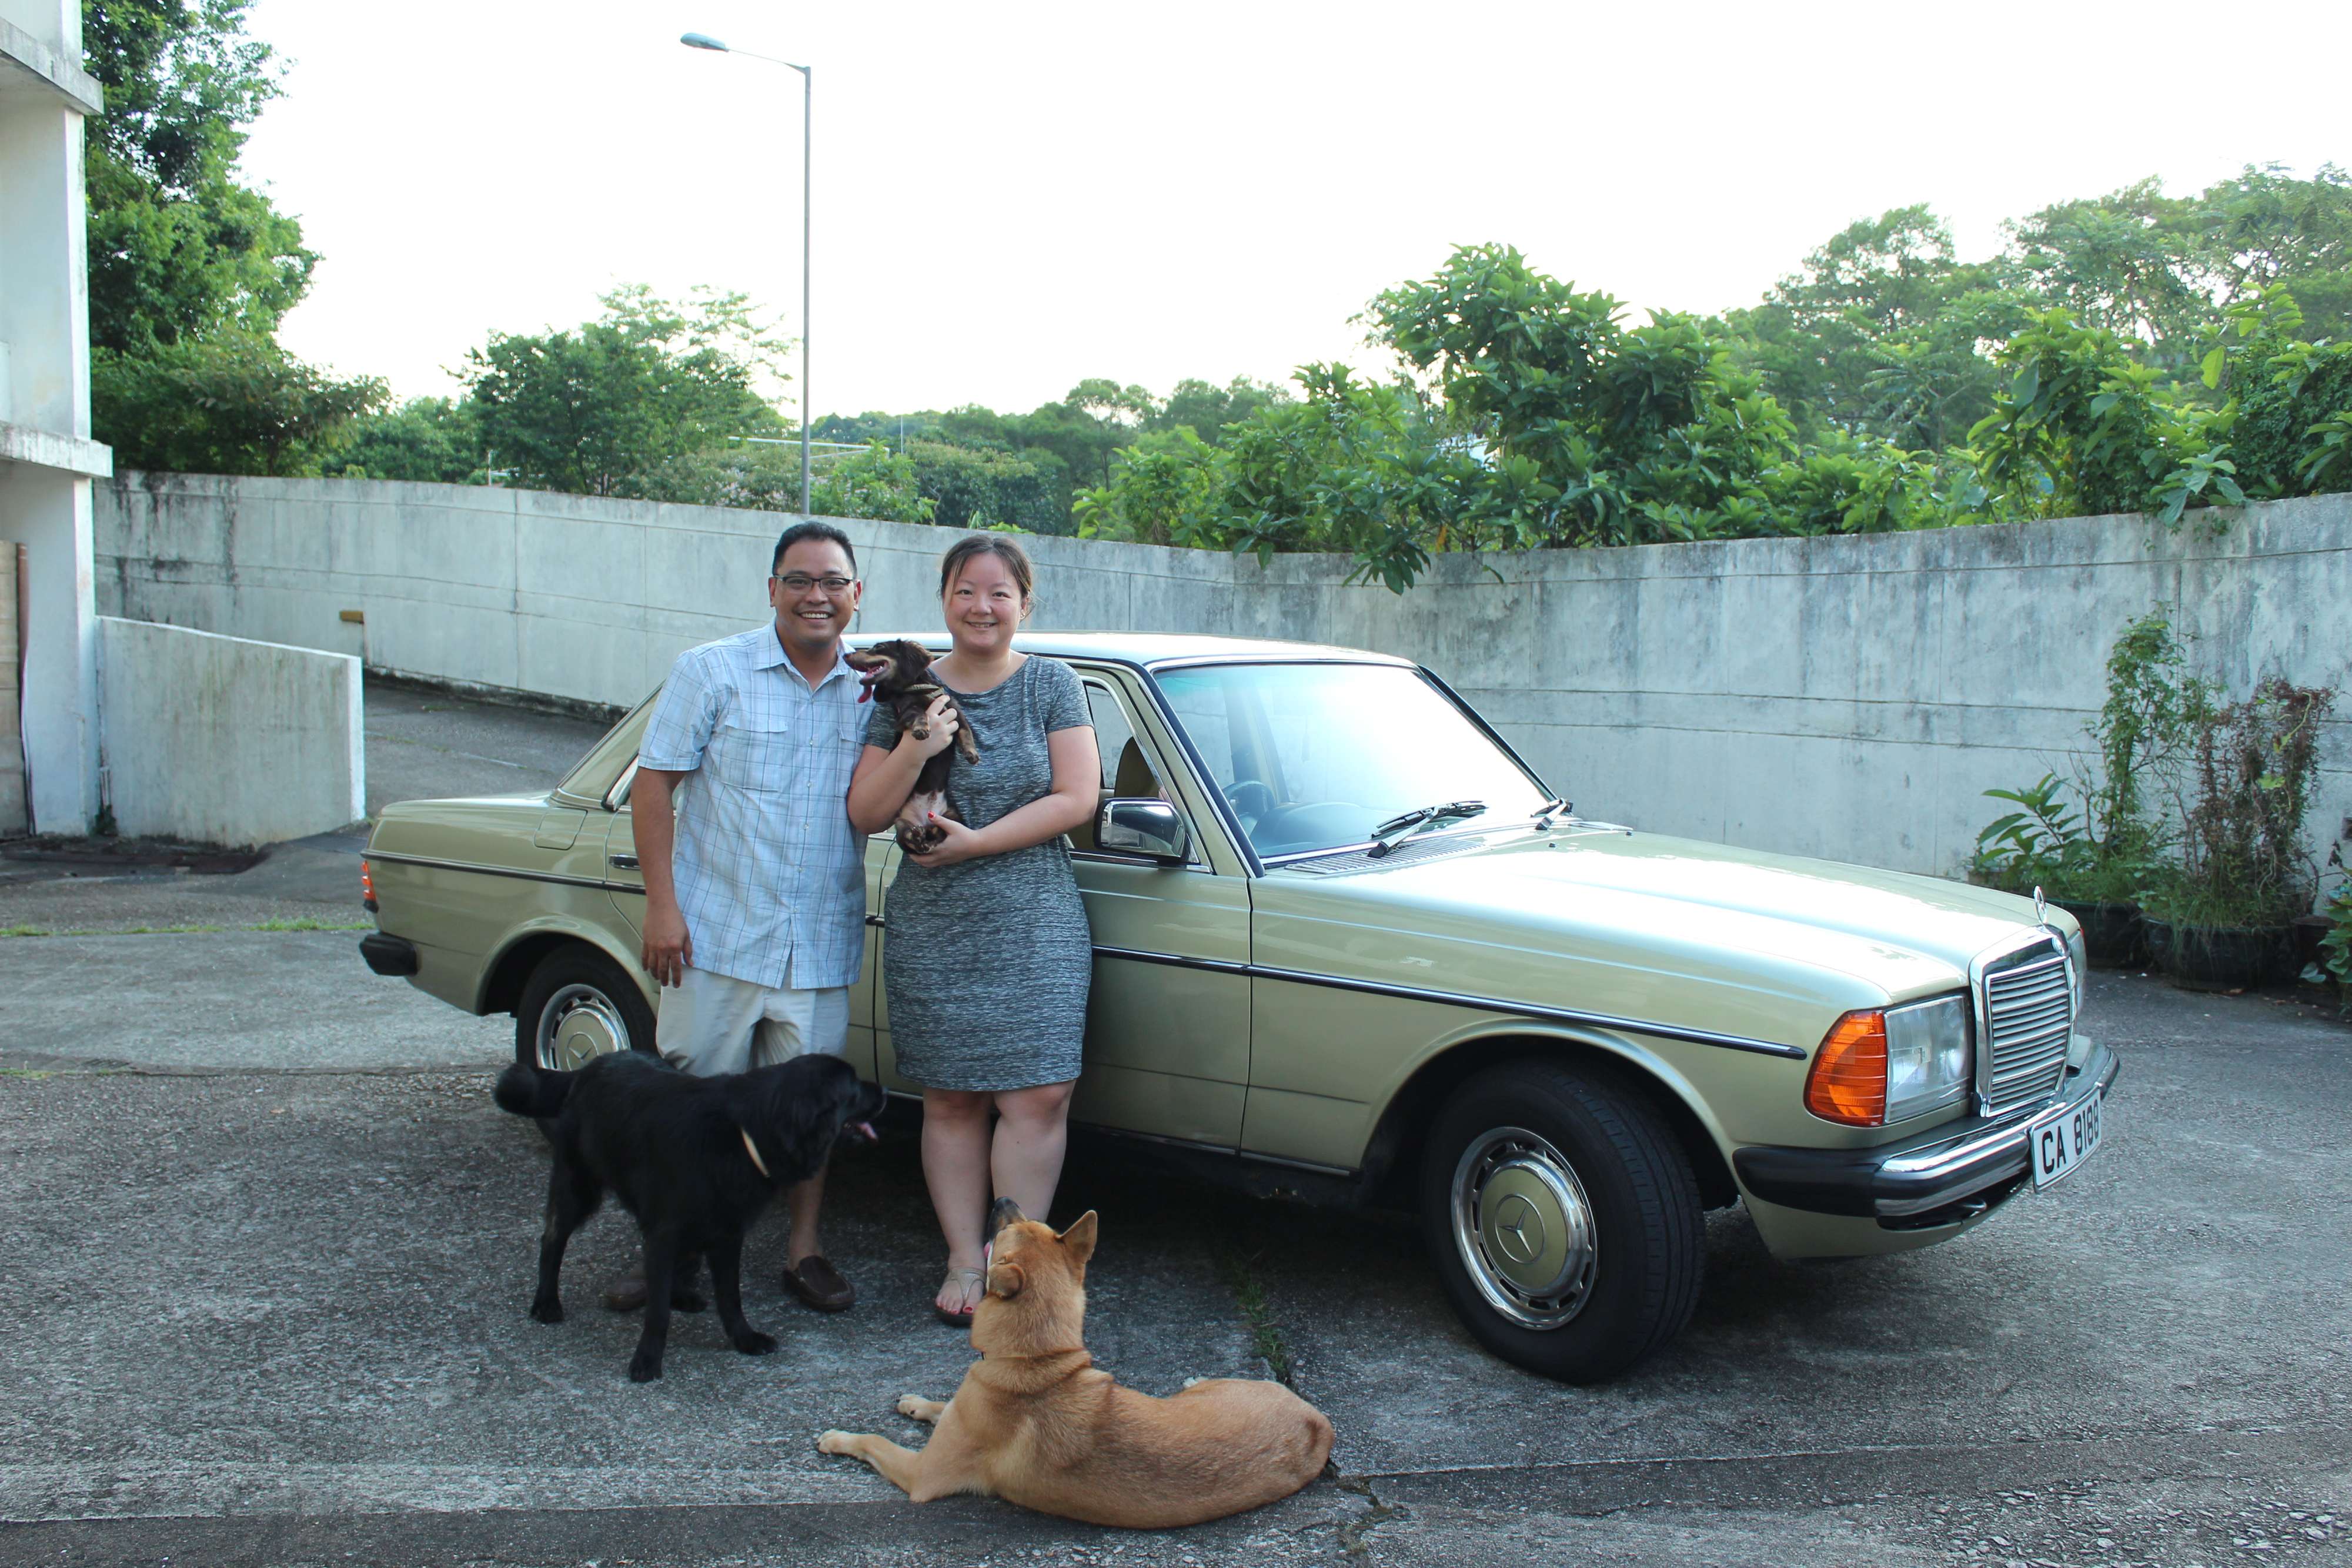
point(1035, 1424)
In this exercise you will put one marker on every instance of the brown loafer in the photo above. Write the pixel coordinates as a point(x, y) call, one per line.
point(626, 1294)
point(819, 1284)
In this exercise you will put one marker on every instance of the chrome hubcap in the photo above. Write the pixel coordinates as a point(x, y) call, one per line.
point(579, 1024)
point(1524, 1227)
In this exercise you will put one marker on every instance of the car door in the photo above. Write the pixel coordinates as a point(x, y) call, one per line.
point(1168, 1019)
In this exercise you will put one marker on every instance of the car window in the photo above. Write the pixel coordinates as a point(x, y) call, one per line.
point(595, 774)
point(1113, 734)
point(1314, 756)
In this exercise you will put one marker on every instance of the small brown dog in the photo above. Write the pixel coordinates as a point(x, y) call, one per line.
point(898, 672)
point(1034, 1423)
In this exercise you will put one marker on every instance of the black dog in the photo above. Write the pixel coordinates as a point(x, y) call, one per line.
point(898, 672)
point(695, 1159)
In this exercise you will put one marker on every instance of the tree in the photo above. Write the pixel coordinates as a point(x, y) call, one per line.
point(178, 247)
point(233, 402)
point(591, 410)
point(1881, 334)
point(1206, 410)
point(189, 270)
point(426, 440)
point(873, 483)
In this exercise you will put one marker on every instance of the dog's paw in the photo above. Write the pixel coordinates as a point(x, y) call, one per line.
point(914, 1407)
point(644, 1368)
point(548, 1310)
point(833, 1443)
point(757, 1344)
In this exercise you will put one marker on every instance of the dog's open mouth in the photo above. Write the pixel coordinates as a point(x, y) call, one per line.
point(859, 1133)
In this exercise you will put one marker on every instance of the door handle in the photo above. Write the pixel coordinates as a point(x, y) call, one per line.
point(626, 862)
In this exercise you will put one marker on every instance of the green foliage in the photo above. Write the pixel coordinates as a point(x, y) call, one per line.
point(872, 482)
point(178, 248)
point(2141, 738)
point(1882, 333)
point(426, 440)
point(2243, 861)
point(190, 270)
point(2042, 844)
point(2335, 941)
point(234, 402)
point(598, 409)
point(970, 488)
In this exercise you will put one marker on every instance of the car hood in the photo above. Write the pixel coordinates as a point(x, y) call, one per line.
point(1708, 909)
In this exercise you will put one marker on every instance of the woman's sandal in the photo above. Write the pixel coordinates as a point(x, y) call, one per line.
point(969, 1279)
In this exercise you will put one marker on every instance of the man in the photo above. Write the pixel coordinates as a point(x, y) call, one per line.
point(755, 892)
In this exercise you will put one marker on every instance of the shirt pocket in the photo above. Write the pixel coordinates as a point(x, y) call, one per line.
point(753, 754)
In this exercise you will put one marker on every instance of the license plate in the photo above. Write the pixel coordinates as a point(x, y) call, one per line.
point(2058, 1140)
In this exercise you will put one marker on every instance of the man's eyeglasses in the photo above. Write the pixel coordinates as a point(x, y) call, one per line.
point(801, 582)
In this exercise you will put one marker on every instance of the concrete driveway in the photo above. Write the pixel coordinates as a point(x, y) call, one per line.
point(266, 1246)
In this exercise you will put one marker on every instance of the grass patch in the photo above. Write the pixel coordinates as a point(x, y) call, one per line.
point(311, 923)
point(1266, 1340)
point(26, 1072)
point(22, 931)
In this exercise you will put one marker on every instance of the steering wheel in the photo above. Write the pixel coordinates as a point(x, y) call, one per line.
point(1249, 798)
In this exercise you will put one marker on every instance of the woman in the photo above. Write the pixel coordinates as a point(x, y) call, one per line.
point(988, 958)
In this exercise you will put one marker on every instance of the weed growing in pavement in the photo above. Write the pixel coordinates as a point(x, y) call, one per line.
point(311, 923)
point(22, 931)
point(1266, 1334)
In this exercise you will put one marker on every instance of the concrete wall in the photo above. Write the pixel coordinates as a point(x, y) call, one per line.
point(1847, 697)
point(13, 818)
point(224, 741)
point(47, 457)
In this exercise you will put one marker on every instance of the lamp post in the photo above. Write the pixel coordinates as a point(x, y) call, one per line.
point(808, 97)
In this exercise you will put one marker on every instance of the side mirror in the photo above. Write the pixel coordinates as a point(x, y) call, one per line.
point(1152, 828)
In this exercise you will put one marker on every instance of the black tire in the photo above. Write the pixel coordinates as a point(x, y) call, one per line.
point(578, 986)
point(1531, 1147)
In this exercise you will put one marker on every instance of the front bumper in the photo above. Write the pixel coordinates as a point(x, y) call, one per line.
point(1941, 1177)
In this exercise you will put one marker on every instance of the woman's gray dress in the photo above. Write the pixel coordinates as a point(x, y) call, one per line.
point(986, 963)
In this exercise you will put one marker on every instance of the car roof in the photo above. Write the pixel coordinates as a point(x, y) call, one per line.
point(1154, 649)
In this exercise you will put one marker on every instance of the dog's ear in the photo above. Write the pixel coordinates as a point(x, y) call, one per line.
point(1080, 1236)
point(1006, 1280)
point(801, 1115)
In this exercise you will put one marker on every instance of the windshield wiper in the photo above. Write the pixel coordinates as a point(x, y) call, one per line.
point(1397, 829)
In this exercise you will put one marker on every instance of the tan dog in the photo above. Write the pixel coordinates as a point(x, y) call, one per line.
point(1035, 1424)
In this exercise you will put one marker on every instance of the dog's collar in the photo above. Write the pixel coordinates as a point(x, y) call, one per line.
point(752, 1149)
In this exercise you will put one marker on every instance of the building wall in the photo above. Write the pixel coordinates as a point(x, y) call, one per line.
point(13, 820)
point(220, 740)
point(46, 454)
point(1847, 697)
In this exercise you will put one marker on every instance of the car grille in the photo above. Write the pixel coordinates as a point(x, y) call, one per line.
point(2029, 1014)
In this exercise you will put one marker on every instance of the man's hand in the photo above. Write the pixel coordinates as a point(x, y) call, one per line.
point(942, 721)
point(668, 947)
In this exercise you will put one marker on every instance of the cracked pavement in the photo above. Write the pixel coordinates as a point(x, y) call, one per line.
point(267, 1246)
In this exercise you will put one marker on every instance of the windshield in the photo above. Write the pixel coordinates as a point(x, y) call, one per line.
point(1314, 756)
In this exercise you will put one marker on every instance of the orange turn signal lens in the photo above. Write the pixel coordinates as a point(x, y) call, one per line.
point(367, 887)
point(1848, 1080)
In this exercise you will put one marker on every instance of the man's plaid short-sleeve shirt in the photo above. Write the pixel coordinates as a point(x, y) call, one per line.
point(770, 876)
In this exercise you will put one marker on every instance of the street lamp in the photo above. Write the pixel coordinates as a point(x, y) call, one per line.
point(808, 96)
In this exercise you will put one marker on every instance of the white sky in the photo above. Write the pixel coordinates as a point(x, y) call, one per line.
point(1012, 197)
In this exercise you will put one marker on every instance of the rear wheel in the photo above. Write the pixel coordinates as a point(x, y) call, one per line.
point(579, 1004)
point(1563, 1218)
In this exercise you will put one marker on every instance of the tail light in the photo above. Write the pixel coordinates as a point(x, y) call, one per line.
point(367, 888)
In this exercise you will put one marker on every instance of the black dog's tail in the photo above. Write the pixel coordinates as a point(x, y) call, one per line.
point(532, 1092)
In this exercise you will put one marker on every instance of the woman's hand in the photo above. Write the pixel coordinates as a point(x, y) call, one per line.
point(961, 844)
point(941, 719)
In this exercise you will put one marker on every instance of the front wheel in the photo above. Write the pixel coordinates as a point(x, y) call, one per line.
point(579, 1004)
point(1564, 1220)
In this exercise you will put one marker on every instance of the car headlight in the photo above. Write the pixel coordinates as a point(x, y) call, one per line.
point(1890, 1064)
point(1928, 1065)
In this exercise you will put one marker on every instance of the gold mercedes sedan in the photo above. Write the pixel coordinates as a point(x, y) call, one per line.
point(1349, 948)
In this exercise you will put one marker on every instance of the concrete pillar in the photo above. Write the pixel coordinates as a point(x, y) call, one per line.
point(47, 457)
